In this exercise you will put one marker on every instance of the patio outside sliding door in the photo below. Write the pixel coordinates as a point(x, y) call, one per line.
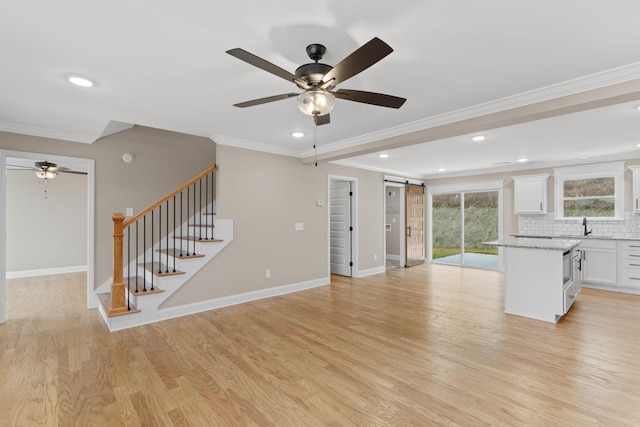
point(480, 225)
point(460, 222)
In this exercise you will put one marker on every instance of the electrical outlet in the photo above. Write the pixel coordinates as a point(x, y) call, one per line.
point(375, 257)
point(267, 274)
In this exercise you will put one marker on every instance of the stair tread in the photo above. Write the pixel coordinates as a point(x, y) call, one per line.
point(142, 284)
point(165, 271)
point(183, 256)
point(198, 239)
point(105, 300)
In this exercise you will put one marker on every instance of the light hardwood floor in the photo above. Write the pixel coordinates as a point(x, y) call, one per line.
point(423, 346)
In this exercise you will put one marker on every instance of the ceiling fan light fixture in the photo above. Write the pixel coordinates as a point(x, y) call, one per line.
point(46, 174)
point(316, 102)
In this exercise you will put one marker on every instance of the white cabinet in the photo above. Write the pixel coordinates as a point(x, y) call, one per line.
point(599, 262)
point(636, 188)
point(629, 264)
point(530, 194)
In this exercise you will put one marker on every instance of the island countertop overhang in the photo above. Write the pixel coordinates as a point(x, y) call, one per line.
point(533, 243)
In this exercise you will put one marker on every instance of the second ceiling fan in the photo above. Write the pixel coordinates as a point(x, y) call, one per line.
point(318, 80)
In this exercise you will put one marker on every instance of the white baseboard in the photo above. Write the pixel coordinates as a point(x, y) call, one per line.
point(46, 271)
point(371, 271)
point(612, 288)
point(212, 304)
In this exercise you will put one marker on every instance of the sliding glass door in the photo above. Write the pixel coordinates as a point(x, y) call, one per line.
point(446, 231)
point(460, 222)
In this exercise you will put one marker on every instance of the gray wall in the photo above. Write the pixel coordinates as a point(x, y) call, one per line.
point(44, 233)
point(265, 195)
point(164, 160)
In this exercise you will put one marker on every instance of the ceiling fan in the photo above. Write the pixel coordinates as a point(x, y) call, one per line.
point(318, 80)
point(47, 170)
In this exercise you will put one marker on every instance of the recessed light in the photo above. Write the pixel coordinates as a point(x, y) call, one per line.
point(478, 138)
point(80, 81)
point(523, 160)
point(383, 155)
point(637, 107)
point(638, 145)
point(297, 134)
point(441, 169)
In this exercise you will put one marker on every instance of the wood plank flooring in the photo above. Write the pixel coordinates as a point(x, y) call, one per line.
point(424, 346)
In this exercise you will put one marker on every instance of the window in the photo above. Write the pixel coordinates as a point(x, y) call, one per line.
point(592, 191)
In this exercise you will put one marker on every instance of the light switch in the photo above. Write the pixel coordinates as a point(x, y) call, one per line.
point(129, 212)
point(320, 203)
point(299, 226)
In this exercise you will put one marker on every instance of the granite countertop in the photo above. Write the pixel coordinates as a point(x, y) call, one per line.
point(577, 237)
point(535, 243)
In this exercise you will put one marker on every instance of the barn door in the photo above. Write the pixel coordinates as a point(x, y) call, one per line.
point(414, 225)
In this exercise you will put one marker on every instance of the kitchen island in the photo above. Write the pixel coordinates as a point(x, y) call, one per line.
point(542, 276)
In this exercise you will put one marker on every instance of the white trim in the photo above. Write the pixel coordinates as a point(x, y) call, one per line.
point(212, 304)
point(255, 146)
point(46, 271)
point(92, 299)
point(613, 170)
point(355, 252)
point(48, 133)
point(370, 272)
point(466, 187)
point(392, 256)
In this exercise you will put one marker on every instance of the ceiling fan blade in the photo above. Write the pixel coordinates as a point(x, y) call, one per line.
point(70, 171)
point(361, 59)
point(265, 100)
point(267, 66)
point(370, 98)
point(322, 120)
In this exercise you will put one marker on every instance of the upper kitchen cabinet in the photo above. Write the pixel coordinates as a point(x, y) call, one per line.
point(636, 188)
point(530, 194)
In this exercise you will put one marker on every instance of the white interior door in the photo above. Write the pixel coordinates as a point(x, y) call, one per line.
point(340, 227)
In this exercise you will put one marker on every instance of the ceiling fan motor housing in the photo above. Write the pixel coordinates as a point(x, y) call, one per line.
point(313, 72)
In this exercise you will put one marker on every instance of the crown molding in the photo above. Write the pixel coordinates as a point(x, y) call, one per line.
point(571, 87)
point(256, 146)
point(48, 133)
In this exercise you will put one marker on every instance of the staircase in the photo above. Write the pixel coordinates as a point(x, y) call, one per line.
point(156, 252)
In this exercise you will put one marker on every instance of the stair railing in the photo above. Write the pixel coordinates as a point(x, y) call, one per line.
point(198, 193)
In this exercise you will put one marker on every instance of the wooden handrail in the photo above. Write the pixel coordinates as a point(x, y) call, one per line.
point(142, 213)
point(118, 291)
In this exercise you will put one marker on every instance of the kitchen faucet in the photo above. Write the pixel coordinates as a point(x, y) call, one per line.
point(584, 224)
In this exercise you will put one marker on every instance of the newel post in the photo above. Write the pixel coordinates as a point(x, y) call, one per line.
point(118, 305)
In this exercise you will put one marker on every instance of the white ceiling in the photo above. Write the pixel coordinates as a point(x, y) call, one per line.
point(163, 64)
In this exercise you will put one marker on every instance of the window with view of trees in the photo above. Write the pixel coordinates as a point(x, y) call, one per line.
point(591, 197)
point(593, 191)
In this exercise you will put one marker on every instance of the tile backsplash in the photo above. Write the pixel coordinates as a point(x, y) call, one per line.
point(546, 225)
